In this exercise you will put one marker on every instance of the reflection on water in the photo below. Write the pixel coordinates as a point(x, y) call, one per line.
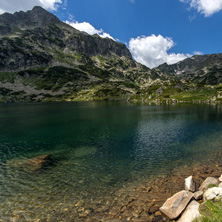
point(100, 147)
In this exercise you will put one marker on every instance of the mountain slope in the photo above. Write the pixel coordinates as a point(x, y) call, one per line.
point(204, 69)
point(42, 58)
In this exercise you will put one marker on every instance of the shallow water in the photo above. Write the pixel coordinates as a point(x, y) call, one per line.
point(101, 147)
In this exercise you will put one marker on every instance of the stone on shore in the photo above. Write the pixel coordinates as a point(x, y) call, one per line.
point(220, 185)
point(198, 195)
point(191, 212)
point(209, 181)
point(189, 184)
point(176, 204)
point(214, 193)
point(220, 178)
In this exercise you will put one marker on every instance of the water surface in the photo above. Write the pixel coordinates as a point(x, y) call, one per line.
point(101, 147)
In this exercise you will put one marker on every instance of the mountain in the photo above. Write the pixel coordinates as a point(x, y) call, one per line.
point(44, 59)
point(197, 79)
point(204, 69)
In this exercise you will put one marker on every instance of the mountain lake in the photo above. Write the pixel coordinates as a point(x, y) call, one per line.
point(103, 151)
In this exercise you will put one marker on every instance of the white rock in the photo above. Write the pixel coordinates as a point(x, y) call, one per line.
point(198, 195)
point(191, 212)
point(220, 178)
point(209, 181)
point(176, 204)
point(214, 193)
point(189, 184)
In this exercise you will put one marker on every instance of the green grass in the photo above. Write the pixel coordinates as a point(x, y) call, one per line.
point(210, 211)
point(7, 77)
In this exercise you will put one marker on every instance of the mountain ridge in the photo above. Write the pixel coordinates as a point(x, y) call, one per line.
point(45, 59)
point(62, 63)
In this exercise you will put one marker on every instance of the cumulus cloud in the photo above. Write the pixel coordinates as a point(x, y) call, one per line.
point(24, 5)
point(88, 28)
point(153, 50)
point(206, 7)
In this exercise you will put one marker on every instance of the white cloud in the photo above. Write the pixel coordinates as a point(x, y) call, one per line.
point(24, 5)
point(197, 53)
point(88, 28)
point(153, 50)
point(206, 7)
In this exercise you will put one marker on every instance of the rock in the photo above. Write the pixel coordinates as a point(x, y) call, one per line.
point(189, 184)
point(220, 178)
point(41, 162)
point(209, 181)
point(158, 213)
point(153, 209)
point(174, 205)
point(34, 164)
point(214, 193)
point(191, 212)
point(198, 195)
point(220, 185)
point(159, 219)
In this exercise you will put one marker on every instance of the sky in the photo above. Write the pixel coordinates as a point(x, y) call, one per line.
point(155, 31)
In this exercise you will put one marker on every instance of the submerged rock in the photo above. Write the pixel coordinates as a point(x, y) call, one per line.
point(189, 184)
point(208, 182)
point(175, 205)
point(214, 193)
point(34, 164)
point(191, 212)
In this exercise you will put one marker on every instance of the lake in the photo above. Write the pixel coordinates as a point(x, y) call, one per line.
point(100, 148)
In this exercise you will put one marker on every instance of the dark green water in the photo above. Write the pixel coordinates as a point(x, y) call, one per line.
point(100, 146)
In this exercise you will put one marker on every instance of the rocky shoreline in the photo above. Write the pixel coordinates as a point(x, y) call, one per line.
point(137, 202)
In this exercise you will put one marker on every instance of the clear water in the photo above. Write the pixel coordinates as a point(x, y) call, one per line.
point(101, 147)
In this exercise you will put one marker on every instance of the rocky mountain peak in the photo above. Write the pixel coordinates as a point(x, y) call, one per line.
point(37, 17)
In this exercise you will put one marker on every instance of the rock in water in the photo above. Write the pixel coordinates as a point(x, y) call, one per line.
point(189, 184)
point(175, 205)
point(214, 193)
point(41, 162)
point(37, 163)
point(191, 212)
point(209, 181)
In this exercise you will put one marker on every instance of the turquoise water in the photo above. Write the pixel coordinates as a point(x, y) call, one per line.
point(100, 148)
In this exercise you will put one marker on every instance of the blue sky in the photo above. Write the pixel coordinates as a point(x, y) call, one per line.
point(155, 31)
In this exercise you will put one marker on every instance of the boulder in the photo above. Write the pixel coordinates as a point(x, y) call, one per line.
point(191, 212)
point(214, 193)
point(220, 178)
point(34, 164)
point(189, 184)
point(198, 195)
point(220, 185)
point(41, 162)
point(175, 205)
point(209, 181)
